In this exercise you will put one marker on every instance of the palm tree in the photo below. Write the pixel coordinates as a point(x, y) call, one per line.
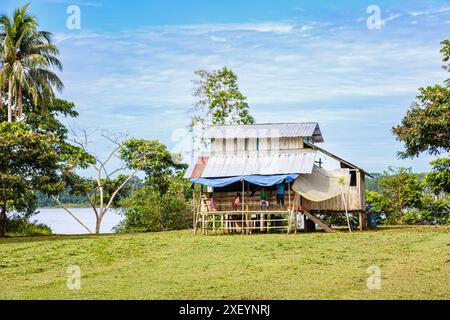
point(2, 80)
point(28, 58)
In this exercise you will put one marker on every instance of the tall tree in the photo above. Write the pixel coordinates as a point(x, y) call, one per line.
point(112, 181)
point(219, 99)
point(24, 159)
point(30, 162)
point(27, 62)
point(159, 168)
point(426, 126)
point(401, 190)
point(2, 78)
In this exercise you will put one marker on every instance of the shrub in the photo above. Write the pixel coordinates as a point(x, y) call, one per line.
point(146, 210)
point(21, 227)
point(433, 211)
point(339, 219)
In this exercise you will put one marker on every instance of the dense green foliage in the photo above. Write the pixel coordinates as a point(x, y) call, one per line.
point(36, 156)
point(18, 226)
point(164, 201)
point(147, 210)
point(439, 177)
point(219, 99)
point(426, 126)
point(29, 162)
point(159, 165)
point(403, 197)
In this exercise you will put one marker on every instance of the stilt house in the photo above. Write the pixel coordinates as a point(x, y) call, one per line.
point(257, 178)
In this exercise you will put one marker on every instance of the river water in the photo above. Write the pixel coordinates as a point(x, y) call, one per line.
point(62, 223)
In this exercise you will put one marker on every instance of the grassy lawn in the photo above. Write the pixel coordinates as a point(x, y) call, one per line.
point(414, 262)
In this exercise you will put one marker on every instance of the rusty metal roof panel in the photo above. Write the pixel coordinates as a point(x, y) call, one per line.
point(195, 170)
point(259, 164)
point(267, 130)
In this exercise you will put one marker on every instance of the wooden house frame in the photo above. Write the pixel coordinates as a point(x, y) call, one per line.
point(246, 158)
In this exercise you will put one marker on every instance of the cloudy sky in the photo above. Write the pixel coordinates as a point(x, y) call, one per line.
point(131, 64)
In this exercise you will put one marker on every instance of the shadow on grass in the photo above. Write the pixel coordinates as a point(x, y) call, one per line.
point(56, 237)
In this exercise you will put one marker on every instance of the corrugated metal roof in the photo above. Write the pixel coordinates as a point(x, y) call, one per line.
point(272, 130)
point(268, 164)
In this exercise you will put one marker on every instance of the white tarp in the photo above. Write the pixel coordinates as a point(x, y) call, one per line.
point(322, 184)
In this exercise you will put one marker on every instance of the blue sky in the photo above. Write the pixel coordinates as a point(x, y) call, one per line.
point(130, 67)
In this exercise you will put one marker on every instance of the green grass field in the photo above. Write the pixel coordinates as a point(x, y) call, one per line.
point(414, 264)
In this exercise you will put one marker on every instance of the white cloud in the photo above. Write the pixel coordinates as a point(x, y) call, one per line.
point(218, 39)
point(142, 80)
point(266, 27)
point(429, 12)
point(391, 18)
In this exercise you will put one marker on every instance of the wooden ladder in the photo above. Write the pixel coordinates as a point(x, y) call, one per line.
point(202, 207)
point(326, 227)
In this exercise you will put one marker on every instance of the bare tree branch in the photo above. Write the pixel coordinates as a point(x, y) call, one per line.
point(73, 216)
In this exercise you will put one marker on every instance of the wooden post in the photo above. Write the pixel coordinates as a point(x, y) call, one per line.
point(203, 222)
point(249, 216)
point(243, 202)
point(295, 221)
point(289, 195)
point(194, 213)
point(362, 220)
point(289, 221)
point(261, 217)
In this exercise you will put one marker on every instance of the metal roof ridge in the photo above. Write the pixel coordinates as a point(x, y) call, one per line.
point(261, 124)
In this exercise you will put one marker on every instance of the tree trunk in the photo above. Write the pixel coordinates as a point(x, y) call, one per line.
point(10, 99)
point(20, 101)
point(1, 90)
point(98, 222)
point(2, 222)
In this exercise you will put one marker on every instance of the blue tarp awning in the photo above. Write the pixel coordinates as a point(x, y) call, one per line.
point(259, 180)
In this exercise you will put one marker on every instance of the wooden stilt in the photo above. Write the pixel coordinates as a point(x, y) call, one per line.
point(194, 214)
point(261, 218)
point(243, 203)
point(289, 222)
point(295, 221)
point(203, 222)
point(289, 195)
point(362, 221)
